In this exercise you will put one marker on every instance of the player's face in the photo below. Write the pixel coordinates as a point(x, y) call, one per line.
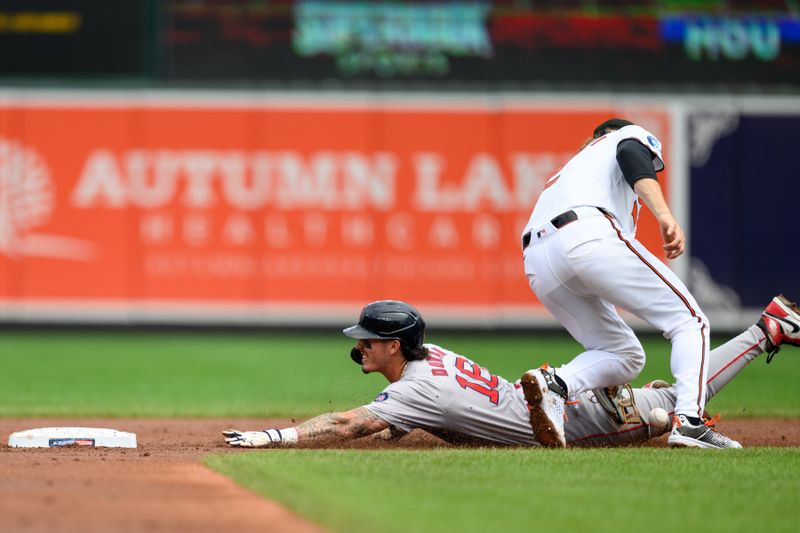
point(376, 354)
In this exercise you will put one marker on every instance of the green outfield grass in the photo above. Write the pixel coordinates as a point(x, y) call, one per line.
point(271, 374)
point(529, 490)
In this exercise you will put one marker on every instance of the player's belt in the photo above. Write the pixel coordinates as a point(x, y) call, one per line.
point(558, 222)
point(563, 219)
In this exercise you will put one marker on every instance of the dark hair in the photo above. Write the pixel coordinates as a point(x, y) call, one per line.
point(413, 354)
point(610, 124)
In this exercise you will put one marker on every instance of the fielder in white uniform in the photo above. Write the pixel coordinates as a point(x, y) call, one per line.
point(583, 261)
point(450, 396)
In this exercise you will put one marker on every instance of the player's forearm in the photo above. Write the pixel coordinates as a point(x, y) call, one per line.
point(650, 192)
point(344, 426)
point(330, 427)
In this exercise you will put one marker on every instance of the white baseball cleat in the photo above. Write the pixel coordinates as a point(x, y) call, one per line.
point(686, 435)
point(545, 399)
point(781, 324)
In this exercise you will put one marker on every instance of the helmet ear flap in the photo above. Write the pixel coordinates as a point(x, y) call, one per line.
point(356, 356)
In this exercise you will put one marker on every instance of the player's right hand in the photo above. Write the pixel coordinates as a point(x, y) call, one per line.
point(674, 238)
point(252, 439)
point(391, 433)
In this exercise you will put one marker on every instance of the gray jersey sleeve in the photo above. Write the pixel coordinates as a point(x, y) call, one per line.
point(409, 404)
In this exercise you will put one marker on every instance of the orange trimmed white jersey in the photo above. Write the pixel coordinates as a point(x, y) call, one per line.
point(593, 178)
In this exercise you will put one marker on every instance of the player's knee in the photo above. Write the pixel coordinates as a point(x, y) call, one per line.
point(705, 325)
point(698, 323)
point(633, 362)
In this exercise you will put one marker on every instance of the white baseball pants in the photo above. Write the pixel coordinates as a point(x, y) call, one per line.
point(582, 271)
point(589, 424)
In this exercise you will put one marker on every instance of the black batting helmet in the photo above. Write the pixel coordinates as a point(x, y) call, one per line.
point(391, 319)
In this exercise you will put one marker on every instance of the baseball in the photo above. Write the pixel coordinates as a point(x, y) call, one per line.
point(658, 420)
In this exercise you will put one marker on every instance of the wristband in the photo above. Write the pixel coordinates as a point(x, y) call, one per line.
point(282, 437)
point(289, 436)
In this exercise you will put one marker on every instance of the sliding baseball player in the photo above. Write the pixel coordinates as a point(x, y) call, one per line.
point(453, 397)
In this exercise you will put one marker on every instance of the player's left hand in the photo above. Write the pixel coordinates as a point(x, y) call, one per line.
point(252, 439)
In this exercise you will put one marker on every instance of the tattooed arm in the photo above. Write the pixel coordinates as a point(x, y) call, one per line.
point(348, 425)
point(330, 427)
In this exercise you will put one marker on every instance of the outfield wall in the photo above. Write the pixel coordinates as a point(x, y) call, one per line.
point(745, 188)
point(291, 208)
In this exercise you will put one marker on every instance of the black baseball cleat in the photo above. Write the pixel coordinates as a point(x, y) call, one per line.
point(687, 435)
point(780, 322)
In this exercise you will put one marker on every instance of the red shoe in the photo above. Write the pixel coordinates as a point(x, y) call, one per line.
point(780, 322)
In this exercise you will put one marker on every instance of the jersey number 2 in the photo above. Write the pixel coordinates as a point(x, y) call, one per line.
point(481, 384)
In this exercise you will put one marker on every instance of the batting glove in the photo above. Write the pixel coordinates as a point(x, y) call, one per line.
point(253, 439)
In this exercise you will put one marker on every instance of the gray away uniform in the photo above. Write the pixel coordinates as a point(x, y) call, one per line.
point(451, 397)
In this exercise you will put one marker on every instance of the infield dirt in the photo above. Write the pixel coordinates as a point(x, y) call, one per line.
point(163, 486)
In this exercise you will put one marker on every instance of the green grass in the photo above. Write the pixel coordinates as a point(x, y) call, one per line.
point(527, 490)
point(228, 375)
point(277, 374)
point(130, 374)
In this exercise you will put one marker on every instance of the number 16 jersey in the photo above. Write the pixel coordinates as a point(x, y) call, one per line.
point(450, 396)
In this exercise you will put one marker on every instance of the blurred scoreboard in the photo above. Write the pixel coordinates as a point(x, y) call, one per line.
point(69, 38)
point(644, 44)
point(583, 43)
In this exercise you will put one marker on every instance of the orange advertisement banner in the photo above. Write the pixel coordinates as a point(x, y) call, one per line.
point(228, 206)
